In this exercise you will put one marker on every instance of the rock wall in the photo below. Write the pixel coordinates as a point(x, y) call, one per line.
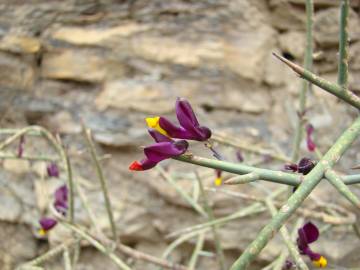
point(112, 62)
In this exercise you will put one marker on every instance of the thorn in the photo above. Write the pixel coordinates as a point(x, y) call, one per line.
point(293, 66)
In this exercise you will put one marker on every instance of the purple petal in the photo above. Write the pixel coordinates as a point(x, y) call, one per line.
point(21, 146)
point(312, 255)
point(52, 170)
point(158, 137)
point(47, 223)
point(61, 207)
point(302, 241)
point(185, 114)
point(305, 165)
point(311, 232)
point(147, 164)
point(163, 150)
point(61, 194)
point(173, 130)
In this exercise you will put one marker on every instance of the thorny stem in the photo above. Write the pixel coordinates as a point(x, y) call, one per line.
point(338, 183)
point(211, 217)
point(49, 254)
point(264, 174)
point(332, 88)
point(343, 45)
point(183, 194)
point(295, 200)
point(282, 258)
point(102, 180)
point(308, 61)
point(198, 247)
point(97, 245)
point(287, 239)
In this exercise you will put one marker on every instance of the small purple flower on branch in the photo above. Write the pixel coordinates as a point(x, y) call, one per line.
point(189, 128)
point(304, 166)
point(288, 265)
point(21, 146)
point(61, 199)
point(309, 140)
point(218, 179)
point(46, 224)
point(308, 234)
point(52, 170)
point(164, 148)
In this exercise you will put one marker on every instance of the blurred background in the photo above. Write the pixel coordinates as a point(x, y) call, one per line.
point(111, 63)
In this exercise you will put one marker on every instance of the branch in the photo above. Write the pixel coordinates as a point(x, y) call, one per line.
point(332, 88)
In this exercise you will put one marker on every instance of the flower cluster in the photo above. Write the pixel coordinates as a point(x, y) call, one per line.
point(308, 234)
point(164, 132)
point(61, 206)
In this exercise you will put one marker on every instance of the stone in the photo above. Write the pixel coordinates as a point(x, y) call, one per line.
point(80, 65)
point(141, 94)
point(16, 72)
point(326, 27)
point(245, 52)
point(293, 42)
point(172, 50)
point(286, 16)
point(18, 166)
point(97, 36)
point(17, 245)
point(20, 44)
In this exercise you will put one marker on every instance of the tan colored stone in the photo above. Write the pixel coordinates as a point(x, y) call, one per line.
point(285, 16)
point(171, 50)
point(326, 26)
point(20, 44)
point(97, 36)
point(18, 166)
point(245, 52)
point(15, 72)
point(80, 65)
point(129, 94)
point(293, 42)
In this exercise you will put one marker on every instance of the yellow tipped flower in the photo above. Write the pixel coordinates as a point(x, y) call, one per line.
point(218, 181)
point(153, 122)
point(320, 263)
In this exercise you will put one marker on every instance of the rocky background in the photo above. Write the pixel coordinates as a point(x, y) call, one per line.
point(113, 62)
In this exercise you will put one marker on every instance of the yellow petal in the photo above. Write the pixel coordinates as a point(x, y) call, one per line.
point(320, 263)
point(153, 122)
point(42, 232)
point(218, 181)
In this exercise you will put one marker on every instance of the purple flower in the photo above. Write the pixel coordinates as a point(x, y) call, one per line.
point(189, 128)
point(164, 148)
point(288, 265)
point(61, 199)
point(309, 141)
point(21, 146)
point(304, 166)
point(308, 234)
point(46, 224)
point(52, 170)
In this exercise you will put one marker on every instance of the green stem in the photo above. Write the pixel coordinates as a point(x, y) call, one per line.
point(197, 249)
point(182, 193)
point(97, 245)
point(308, 62)
point(102, 180)
point(332, 88)
point(264, 174)
point(287, 239)
point(214, 227)
point(343, 45)
point(295, 200)
point(242, 179)
point(338, 183)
